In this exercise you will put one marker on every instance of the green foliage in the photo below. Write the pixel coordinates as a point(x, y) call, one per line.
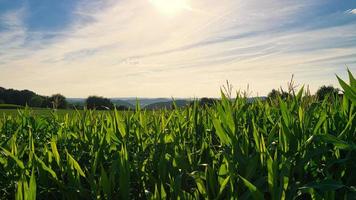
point(274, 94)
point(349, 90)
point(234, 149)
point(58, 101)
point(36, 101)
point(29, 98)
point(326, 92)
point(99, 103)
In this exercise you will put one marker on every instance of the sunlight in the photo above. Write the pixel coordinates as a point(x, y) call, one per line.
point(170, 7)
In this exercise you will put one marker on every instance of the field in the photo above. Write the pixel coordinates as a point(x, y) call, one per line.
point(35, 112)
point(42, 112)
point(295, 148)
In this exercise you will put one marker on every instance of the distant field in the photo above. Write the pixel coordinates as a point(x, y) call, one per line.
point(10, 106)
point(43, 112)
point(35, 111)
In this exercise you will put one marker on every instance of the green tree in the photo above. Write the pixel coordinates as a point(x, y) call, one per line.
point(2, 95)
point(36, 101)
point(26, 96)
point(207, 101)
point(58, 101)
point(46, 102)
point(99, 103)
point(326, 91)
point(274, 94)
point(18, 97)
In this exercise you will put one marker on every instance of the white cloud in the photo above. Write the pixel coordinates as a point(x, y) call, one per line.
point(14, 31)
point(128, 48)
point(351, 11)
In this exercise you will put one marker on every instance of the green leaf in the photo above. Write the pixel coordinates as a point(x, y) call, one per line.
point(325, 185)
point(221, 132)
point(74, 164)
point(19, 190)
point(256, 193)
point(284, 111)
point(352, 79)
point(350, 92)
point(55, 151)
point(124, 174)
point(45, 168)
point(19, 162)
point(223, 186)
point(348, 126)
point(32, 187)
point(321, 120)
point(105, 183)
point(300, 94)
point(335, 141)
point(120, 124)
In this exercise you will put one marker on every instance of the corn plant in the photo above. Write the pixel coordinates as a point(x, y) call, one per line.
point(294, 148)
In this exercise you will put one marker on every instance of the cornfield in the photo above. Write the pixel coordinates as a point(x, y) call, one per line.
point(297, 148)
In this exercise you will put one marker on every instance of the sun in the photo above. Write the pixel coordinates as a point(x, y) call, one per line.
point(171, 7)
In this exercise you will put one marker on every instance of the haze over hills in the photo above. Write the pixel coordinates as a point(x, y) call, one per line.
point(130, 102)
point(149, 103)
point(27, 97)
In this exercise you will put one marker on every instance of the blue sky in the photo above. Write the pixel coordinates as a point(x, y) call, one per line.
point(179, 48)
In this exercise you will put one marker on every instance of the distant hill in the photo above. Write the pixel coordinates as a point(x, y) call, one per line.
point(145, 101)
point(148, 103)
point(76, 100)
point(130, 102)
point(119, 102)
point(167, 104)
point(115, 101)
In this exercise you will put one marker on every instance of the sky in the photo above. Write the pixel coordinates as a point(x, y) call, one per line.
point(174, 48)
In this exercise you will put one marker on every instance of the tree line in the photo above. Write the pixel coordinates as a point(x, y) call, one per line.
point(322, 93)
point(58, 101)
point(29, 98)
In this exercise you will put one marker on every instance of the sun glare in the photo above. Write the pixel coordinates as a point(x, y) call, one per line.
point(170, 7)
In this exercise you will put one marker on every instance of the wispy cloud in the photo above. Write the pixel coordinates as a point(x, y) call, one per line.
point(127, 48)
point(351, 11)
point(12, 26)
